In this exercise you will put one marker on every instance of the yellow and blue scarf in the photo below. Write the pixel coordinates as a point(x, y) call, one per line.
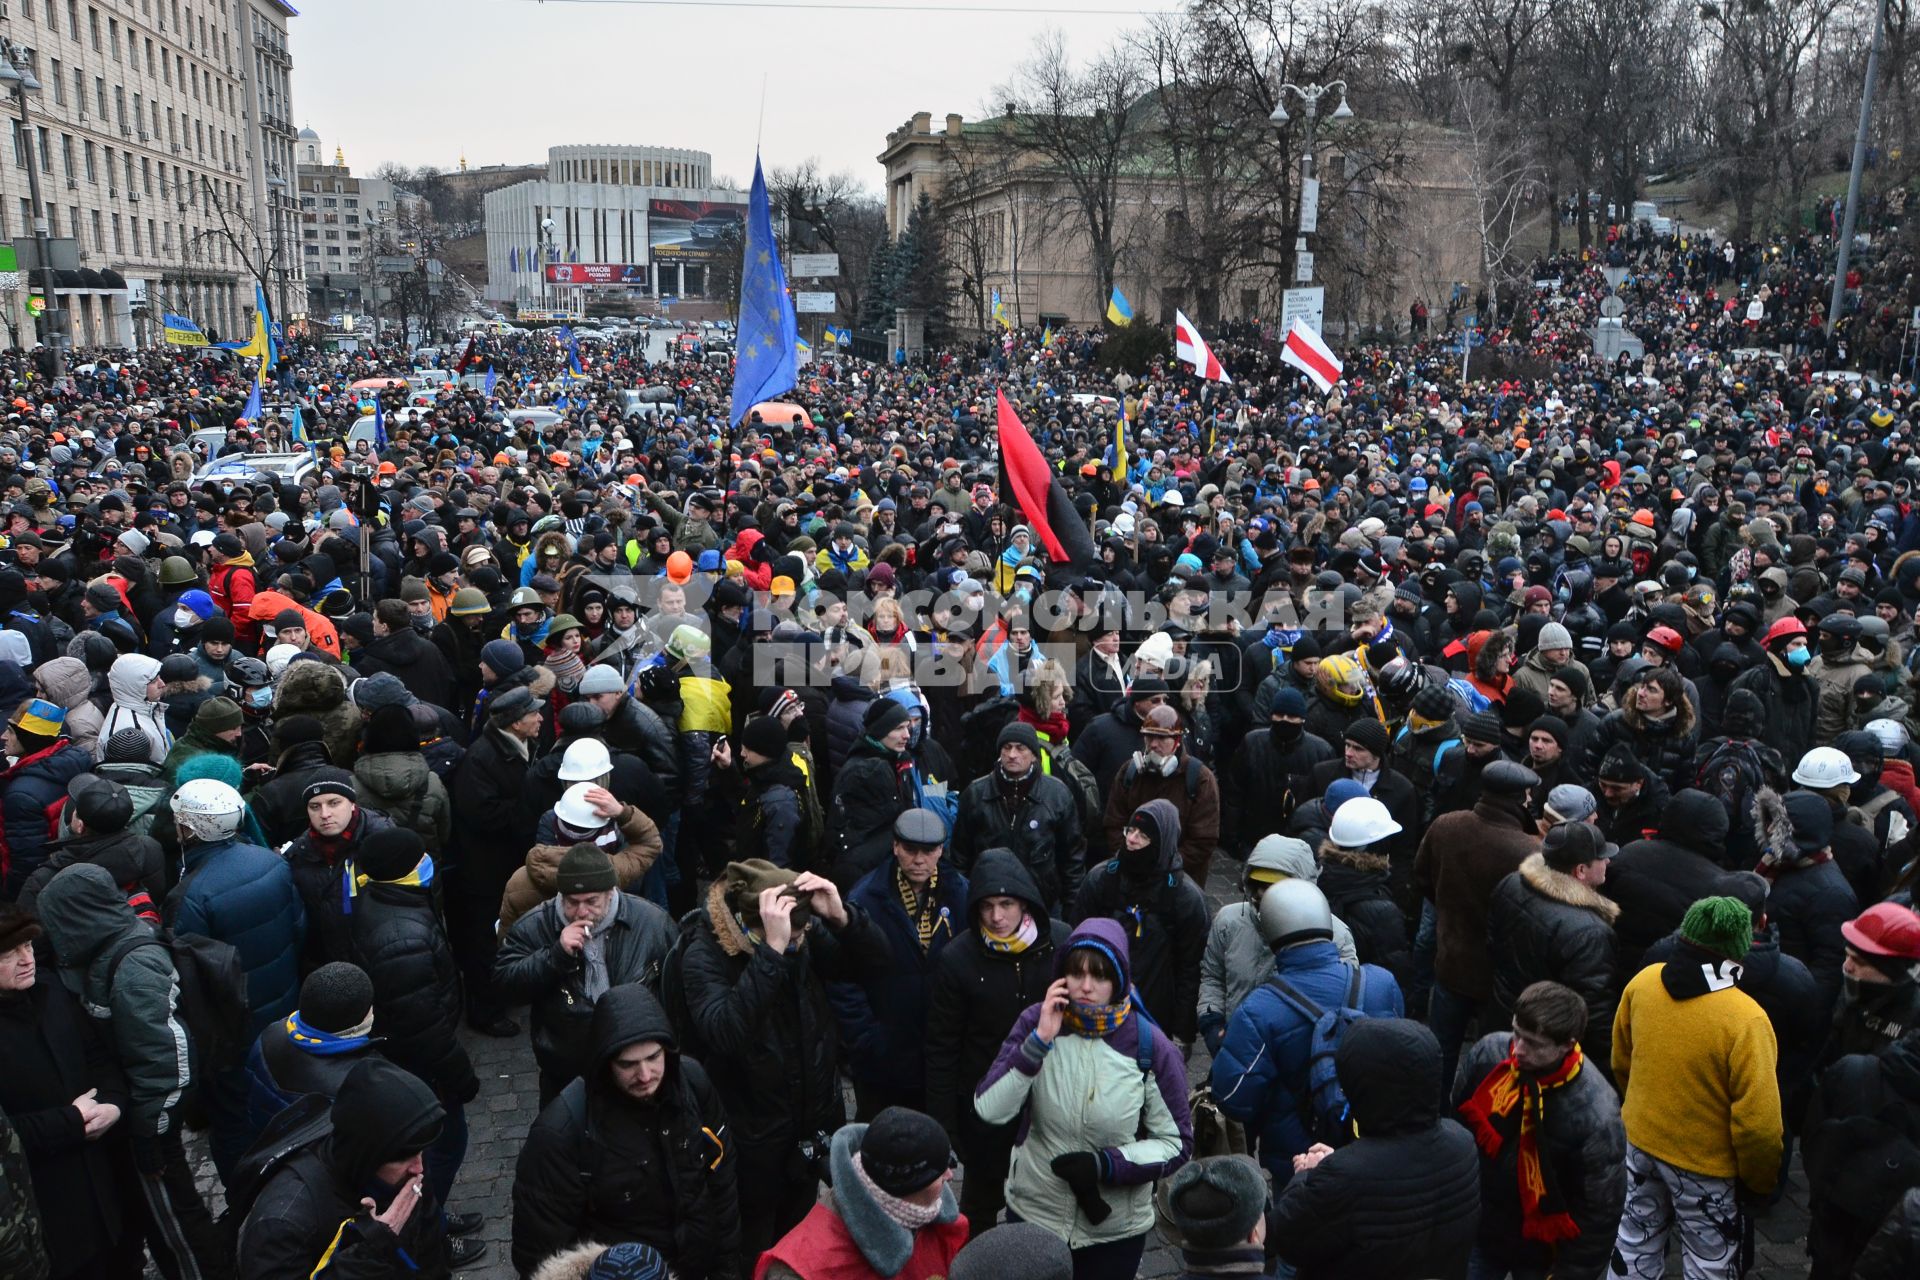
point(1097, 1021)
point(325, 1044)
point(353, 880)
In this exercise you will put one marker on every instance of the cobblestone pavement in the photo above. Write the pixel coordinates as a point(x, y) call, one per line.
point(509, 1101)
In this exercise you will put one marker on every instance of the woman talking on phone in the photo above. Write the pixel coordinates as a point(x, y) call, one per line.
point(1105, 1097)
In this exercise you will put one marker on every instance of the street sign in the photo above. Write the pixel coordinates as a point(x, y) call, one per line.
point(64, 250)
point(393, 264)
point(813, 303)
point(1303, 304)
point(1612, 308)
point(815, 266)
point(1303, 267)
point(1309, 206)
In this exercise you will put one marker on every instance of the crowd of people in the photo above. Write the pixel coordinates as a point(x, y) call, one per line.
point(1546, 742)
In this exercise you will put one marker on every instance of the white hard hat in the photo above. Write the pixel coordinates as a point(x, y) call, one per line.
point(1892, 734)
point(585, 761)
point(574, 811)
point(1360, 822)
point(207, 809)
point(1825, 767)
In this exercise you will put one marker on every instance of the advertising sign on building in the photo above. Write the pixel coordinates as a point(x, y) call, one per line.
point(597, 273)
point(694, 230)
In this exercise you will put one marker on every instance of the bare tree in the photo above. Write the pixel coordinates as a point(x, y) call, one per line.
point(830, 213)
point(1504, 177)
point(236, 230)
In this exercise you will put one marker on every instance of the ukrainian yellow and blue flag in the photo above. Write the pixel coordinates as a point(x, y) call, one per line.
point(1119, 310)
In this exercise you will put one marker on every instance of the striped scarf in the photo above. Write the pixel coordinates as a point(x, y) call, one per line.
point(326, 1044)
point(353, 880)
point(1097, 1021)
point(919, 905)
point(1014, 943)
point(1511, 1103)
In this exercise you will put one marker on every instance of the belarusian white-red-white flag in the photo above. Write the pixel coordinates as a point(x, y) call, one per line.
point(1305, 352)
point(1192, 349)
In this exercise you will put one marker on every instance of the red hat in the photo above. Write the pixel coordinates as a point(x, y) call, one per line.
point(1885, 929)
point(1785, 628)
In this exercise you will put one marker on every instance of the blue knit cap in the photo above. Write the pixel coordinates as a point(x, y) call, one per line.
point(630, 1261)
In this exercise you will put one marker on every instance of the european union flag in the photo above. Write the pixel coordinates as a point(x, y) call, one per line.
point(379, 426)
point(492, 378)
point(764, 365)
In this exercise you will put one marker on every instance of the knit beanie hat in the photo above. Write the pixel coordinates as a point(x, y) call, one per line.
point(1577, 681)
point(218, 715)
point(1553, 726)
point(1483, 727)
point(503, 657)
point(127, 746)
point(1369, 735)
point(1215, 1202)
point(1434, 702)
point(1620, 765)
point(218, 628)
point(884, 715)
point(904, 1151)
point(629, 1261)
point(383, 689)
point(1338, 793)
point(1722, 925)
point(577, 718)
point(1554, 636)
point(1024, 1249)
point(765, 736)
point(585, 868)
point(389, 853)
point(336, 997)
point(296, 729)
point(1018, 732)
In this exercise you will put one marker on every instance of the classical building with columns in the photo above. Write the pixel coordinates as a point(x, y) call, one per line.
point(636, 221)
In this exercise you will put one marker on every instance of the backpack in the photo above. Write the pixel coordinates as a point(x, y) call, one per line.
point(1063, 765)
point(673, 987)
point(304, 1122)
point(1324, 1108)
point(213, 995)
point(1732, 775)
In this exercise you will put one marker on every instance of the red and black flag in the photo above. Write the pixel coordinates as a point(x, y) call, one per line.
point(1031, 482)
point(467, 356)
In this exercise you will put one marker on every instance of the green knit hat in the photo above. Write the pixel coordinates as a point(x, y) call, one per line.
point(1723, 926)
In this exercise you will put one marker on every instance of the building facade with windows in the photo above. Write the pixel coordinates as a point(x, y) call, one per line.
point(343, 220)
point(648, 216)
point(154, 131)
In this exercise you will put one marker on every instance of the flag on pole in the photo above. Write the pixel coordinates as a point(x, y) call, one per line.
point(181, 331)
point(1000, 312)
point(513, 258)
point(1046, 336)
point(1193, 351)
point(250, 411)
point(1032, 483)
point(1120, 444)
point(492, 378)
point(297, 430)
point(466, 357)
point(1306, 352)
point(379, 426)
point(1119, 310)
point(764, 365)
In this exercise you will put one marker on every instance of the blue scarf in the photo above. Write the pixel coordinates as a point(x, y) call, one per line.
point(322, 1044)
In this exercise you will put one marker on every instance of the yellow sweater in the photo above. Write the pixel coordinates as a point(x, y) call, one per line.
point(1698, 1081)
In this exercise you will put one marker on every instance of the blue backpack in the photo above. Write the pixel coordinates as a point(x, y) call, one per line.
point(1324, 1108)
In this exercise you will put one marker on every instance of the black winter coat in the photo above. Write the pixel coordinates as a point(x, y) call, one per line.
point(1167, 939)
point(976, 996)
point(1664, 747)
point(1864, 1115)
point(398, 938)
point(1404, 1198)
point(279, 802)
point(1545, 926)
point(1390, 789)
point(1583, 1144)
point(846, 719)
point(329, 932)
point(1108, 743)
point(28, 791)
point(637, 728)
point(1792, 706)
point(1894, 1251)
point(415, 660)
point(1044, 832)
point(280, 1072)
point(1809, 904)
point(600, 1166)
point(763, 1022)
point(50, 1054)
point(1655, 880)
point(1261, 784)
point(491, 829)
point(869, 792)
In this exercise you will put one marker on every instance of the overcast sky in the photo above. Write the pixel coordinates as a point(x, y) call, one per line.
point(419, 81)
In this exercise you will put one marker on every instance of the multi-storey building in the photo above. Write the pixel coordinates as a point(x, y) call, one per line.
point(343, 222)
point(156, 129)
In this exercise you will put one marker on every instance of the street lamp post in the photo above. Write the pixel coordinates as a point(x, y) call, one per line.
point(1853, 175)
point(1309, 96)
point(16, 74)
point(276, 265)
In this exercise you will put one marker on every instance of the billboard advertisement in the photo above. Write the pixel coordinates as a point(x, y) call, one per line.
point(597, 273)
point(693, 230)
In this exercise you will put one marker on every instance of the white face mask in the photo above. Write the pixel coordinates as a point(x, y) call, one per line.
point(184, 617)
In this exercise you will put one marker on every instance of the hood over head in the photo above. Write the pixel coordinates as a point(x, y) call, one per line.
point(1285, 854)
point(1105, 935)
point(1696, 821)
point(382, 1113)
point(83, 912)
point(999, 873)
point(1744, 715)
point(65, 680)
point(627, 1015)
point(129, 676)
point(1390, 1070)
point(1166, 829)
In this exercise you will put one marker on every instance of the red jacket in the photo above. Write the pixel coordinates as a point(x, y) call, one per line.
point(821, 1248)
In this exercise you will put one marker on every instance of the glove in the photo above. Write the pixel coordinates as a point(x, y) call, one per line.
point(1213, 1031)
point(1081, 1171)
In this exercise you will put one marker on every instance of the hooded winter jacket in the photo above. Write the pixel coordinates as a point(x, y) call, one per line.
point(601, 1166)
point(321, 635)
point(68, 682)
point(399, 940)
point(414, 660)
point(977, 992)
point(87, 921)
point(1784, 989)
point(133, 860)
point(32, 790)
point(319, 690)
point(763, 1021)
point(1089, 1092)
point(1164, 914)
point(1402, 1199)
point(127, 680)
point(1655, 880)
point(400, 785)
point(307, 1220)
point(531, 965)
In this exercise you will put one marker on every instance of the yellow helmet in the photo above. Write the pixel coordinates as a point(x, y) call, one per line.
point(1340, 680)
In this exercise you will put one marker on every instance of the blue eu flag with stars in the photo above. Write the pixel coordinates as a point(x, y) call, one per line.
point(764, 363)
